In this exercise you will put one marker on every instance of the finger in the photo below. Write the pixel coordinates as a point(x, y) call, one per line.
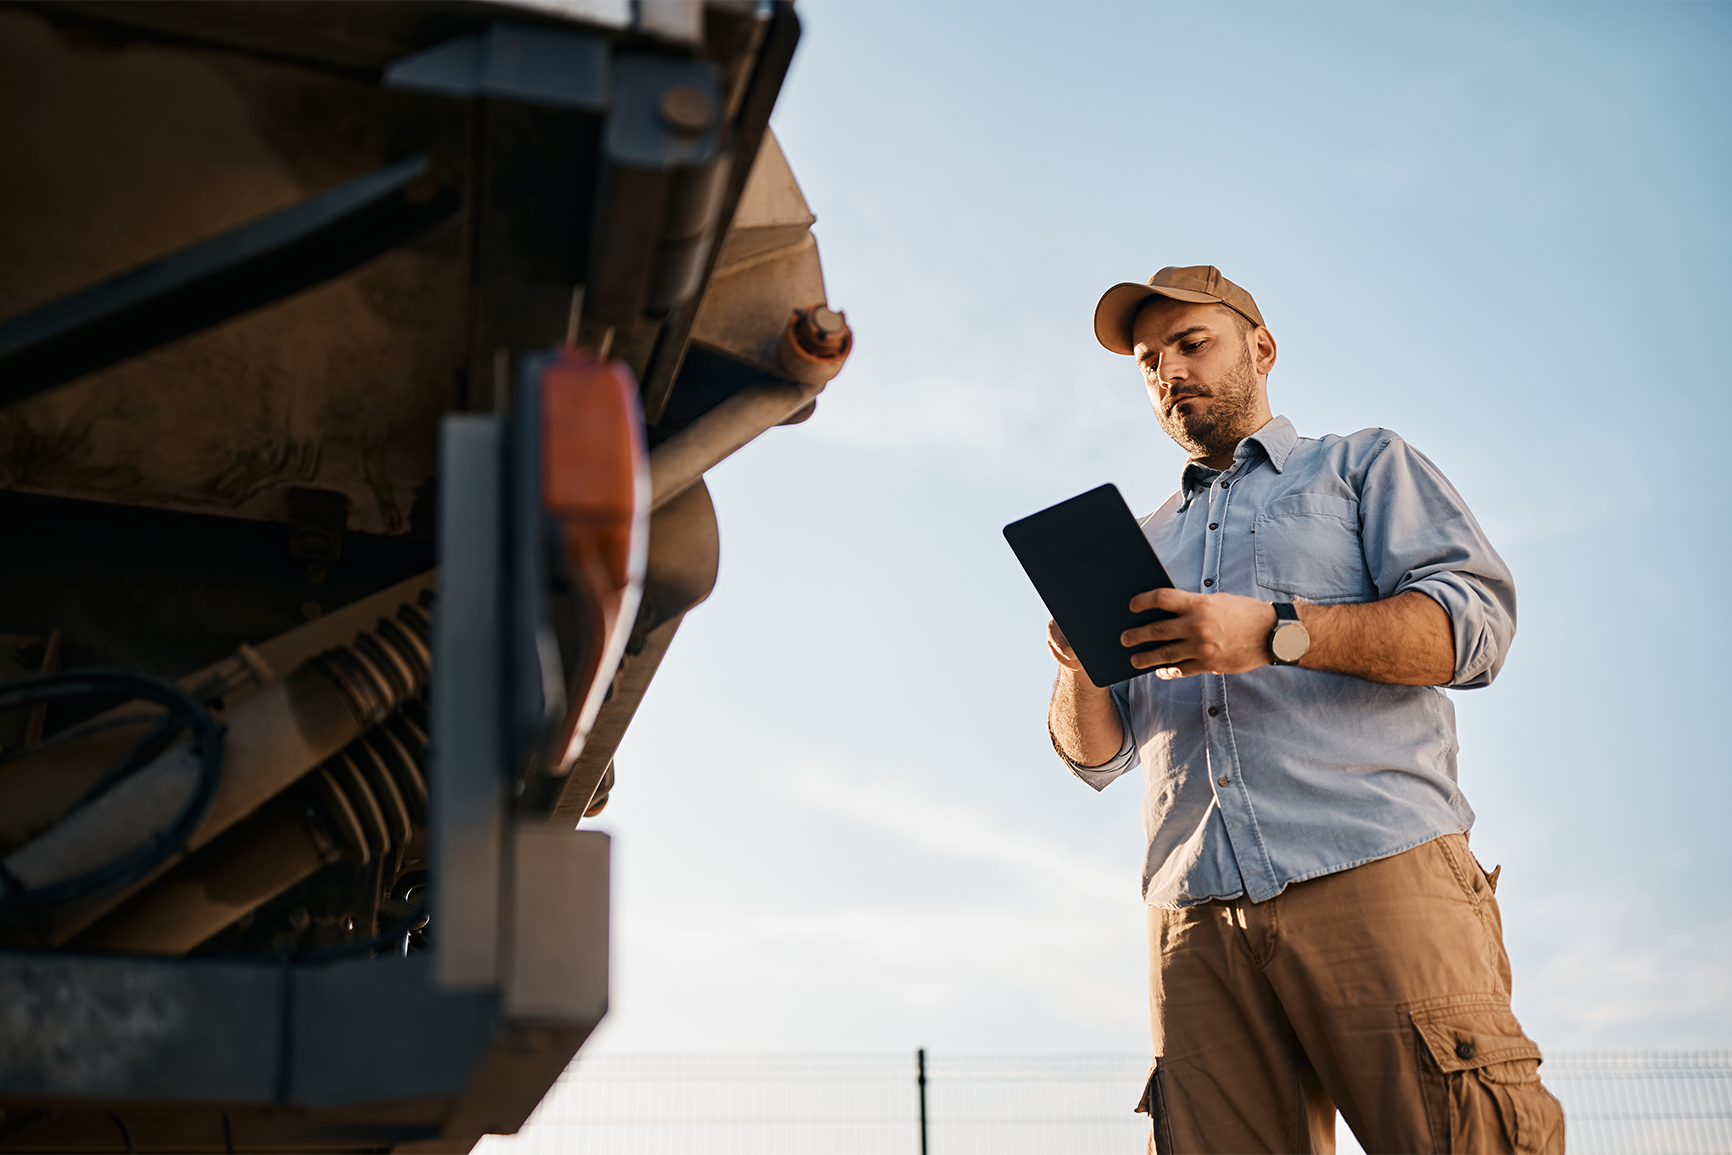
point(1170, 654)
point(1060, 648)
point(1171, 600)
point(1165, 630)
point(1064, 656)
point(1170, 669)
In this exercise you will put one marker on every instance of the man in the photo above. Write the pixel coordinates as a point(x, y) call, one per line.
point(1320, 936)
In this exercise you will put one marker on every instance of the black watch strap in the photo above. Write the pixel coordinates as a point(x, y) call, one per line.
point(1286, 612)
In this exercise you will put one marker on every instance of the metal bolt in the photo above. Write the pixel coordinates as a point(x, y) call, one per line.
point(821, 330)
point(686, 110)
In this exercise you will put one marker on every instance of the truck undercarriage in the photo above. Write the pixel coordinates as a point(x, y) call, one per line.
point(360, 365)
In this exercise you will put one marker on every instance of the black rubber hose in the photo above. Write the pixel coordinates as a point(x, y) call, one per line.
point(185, 713)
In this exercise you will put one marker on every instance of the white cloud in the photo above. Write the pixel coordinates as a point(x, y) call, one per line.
point(980, 417)
point(1050, 955)
point(1012, 974)
point(1001, 420)
point(955, 829)
point(1603, 973)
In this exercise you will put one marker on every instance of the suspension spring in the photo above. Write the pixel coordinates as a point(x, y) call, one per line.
point(385, 666)
point(372, 794)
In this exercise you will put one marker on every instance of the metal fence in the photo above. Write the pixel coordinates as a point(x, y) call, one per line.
point(1627, 1102)
point(1637, 1102)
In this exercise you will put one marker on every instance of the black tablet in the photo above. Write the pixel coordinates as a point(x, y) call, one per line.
point(1088, 558)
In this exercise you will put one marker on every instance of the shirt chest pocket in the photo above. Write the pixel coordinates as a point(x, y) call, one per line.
point(1308, 547)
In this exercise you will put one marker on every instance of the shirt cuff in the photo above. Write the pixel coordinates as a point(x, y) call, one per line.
point(1480, 627)
point(1122, 762)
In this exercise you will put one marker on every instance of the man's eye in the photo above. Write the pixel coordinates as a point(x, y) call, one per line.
point(1192, 346)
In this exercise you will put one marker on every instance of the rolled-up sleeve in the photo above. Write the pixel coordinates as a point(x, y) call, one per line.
point(1122, 763)
point(1418, 534)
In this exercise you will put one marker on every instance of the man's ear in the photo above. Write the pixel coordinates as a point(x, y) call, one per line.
point(1262, 350)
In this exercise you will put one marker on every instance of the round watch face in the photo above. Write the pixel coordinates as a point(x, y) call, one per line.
point(1289, 642)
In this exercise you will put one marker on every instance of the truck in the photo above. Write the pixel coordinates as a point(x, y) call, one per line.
point(360, 366)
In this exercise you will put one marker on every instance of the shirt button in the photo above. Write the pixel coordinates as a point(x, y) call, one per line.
point(1222, 780)
point(1464, 1050)
point(1208, 581)
point(1225, 484)
point(1214, 525)
point(1213, 711)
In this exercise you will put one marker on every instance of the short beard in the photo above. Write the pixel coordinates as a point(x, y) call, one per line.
point(1220, 427)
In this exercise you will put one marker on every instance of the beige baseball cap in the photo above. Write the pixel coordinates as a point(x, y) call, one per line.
point(1199, 284)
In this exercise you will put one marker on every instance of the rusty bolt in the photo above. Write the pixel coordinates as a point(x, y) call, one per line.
point(686, 110)
point(821, 331)
point(814, 344)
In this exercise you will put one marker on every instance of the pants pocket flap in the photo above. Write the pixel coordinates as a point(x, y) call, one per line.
point(1469, 1032)
point(1146, 1105)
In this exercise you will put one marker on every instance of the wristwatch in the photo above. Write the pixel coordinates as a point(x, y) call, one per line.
point(1289, 640)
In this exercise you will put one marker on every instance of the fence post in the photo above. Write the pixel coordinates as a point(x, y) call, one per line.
point(920, 1081)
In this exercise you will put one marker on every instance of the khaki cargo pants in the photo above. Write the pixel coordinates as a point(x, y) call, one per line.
point(1382, 990)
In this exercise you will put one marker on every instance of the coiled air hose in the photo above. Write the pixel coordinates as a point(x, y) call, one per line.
point(183, 712)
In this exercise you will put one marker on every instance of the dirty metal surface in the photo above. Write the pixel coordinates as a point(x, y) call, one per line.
point(358, 39)
point(118, 1028)
point(134, 150)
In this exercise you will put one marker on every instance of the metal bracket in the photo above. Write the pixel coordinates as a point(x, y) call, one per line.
point(749, 125)
point(317, 518)
point(468, 776)
point(661, 191)
point(526, 65)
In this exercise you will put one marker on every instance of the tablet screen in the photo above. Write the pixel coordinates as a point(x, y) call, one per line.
point(1088, 558)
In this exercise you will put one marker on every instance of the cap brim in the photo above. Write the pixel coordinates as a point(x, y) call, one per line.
point(1119, 303)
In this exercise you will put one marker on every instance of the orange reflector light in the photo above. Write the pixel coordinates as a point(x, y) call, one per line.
point(595, 484)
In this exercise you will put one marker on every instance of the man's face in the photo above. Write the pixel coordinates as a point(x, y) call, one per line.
point(1199, 370)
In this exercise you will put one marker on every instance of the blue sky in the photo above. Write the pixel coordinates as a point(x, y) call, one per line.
point(1502, 231)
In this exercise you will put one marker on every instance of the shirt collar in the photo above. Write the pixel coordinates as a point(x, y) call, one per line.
point(1196, 476)
point(1277, 440)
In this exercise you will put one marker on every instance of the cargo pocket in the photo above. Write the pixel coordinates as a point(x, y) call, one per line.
point(1154, 1105)
point(1481, 1079)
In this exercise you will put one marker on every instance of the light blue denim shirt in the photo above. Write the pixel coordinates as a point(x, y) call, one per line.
point(1256, 780)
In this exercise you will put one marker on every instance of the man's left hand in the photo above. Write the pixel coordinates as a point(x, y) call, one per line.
point(1211, 634)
